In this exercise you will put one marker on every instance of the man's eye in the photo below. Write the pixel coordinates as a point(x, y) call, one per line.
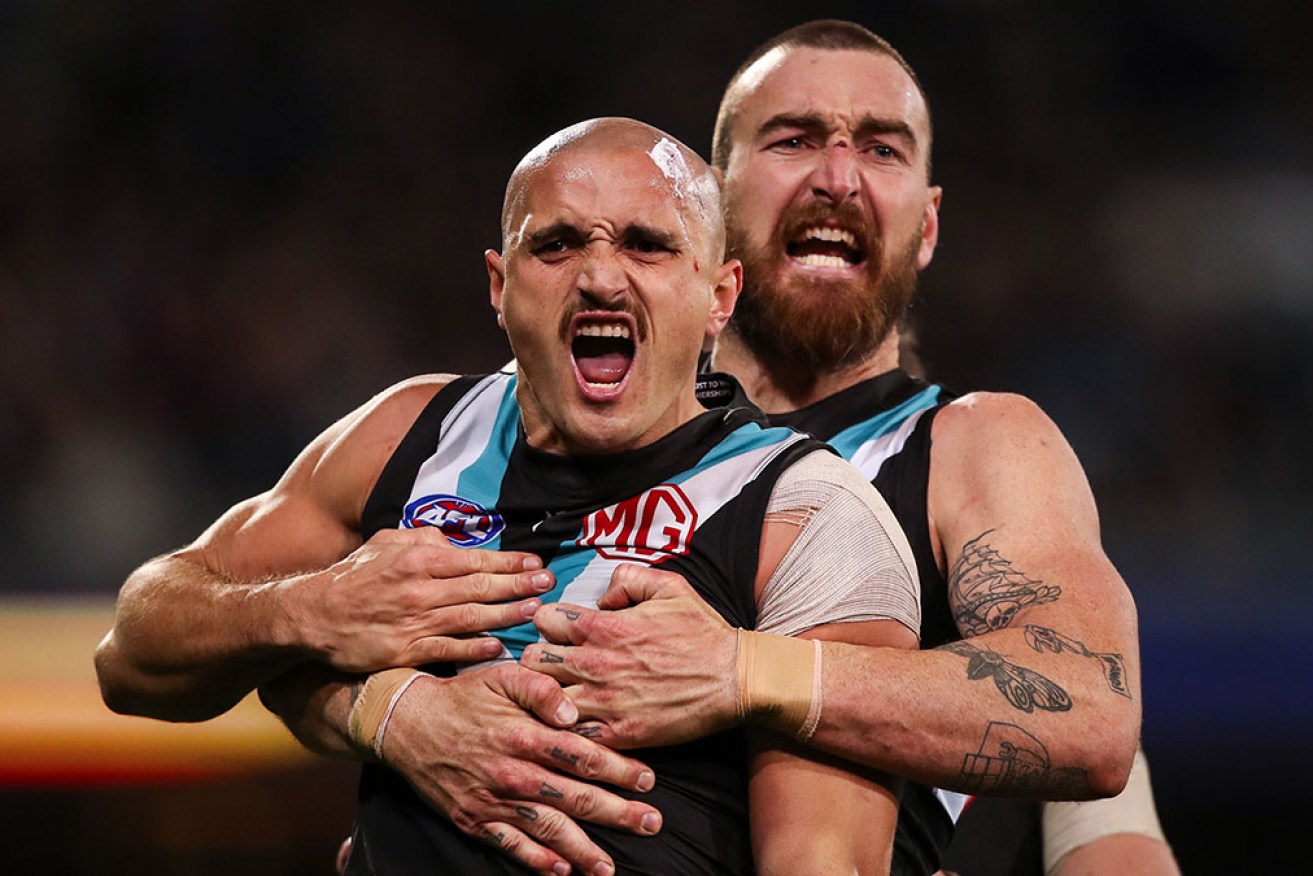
point(789, 143)
point(551, 247)
point(880, 150)
point(648, 247)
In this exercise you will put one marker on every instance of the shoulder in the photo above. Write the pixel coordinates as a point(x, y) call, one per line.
point(342, 464)
point(994, 426)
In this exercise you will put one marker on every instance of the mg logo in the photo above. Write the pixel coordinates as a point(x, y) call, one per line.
point(647, 528)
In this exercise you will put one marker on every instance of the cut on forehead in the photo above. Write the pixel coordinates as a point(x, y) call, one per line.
point(692, 180)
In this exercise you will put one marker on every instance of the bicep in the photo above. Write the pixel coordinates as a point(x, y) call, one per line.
point(1018, 525)
point(812, 813)
point(311, 517)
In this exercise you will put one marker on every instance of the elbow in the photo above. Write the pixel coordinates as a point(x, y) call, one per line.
point(1108, 764)
point(126, 690)
point(114, 691)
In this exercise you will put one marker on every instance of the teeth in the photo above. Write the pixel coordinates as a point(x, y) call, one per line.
point(824, 261)
point(832, 235)
point(602, 330)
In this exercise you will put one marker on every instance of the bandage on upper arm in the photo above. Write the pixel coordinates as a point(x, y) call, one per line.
point(850, 560)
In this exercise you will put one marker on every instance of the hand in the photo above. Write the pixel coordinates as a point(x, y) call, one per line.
point(659, 673)
point(408, 597)
point(472, 748)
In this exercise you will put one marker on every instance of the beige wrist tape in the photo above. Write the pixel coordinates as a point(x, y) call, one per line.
point(373, 708)
point(780, 680)
point(1068, 826)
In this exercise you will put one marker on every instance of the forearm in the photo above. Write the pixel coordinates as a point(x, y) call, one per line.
point(939, 717)
point(314, 701)
point(188, 643)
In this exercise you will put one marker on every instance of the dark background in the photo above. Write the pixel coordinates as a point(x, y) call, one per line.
point(225, 224)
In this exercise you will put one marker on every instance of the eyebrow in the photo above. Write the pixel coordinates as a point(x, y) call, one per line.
point(555, 231)
point(633, 231)
point(815, 124)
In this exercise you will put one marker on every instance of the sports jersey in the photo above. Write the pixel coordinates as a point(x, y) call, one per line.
point(882, 426)
point(693, 501)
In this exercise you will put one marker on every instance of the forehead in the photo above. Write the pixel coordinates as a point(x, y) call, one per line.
point(594, 186)
point(838, 85)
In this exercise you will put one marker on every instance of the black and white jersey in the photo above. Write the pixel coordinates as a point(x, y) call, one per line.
point(882, 426)
point(693, 501)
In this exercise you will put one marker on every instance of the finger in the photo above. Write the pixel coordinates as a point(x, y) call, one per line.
point(583, 801)
point(476, 617)
point(565, 624)
point(561, 750)
point(448, 649)
point(556, 661)
point(632, 583)
point(513, 843)
point(551, 827)
point(449, 587)
point(534, 693)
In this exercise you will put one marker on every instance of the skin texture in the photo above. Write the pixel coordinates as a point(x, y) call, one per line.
point(1004, 487)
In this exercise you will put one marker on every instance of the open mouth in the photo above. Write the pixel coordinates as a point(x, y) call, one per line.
point(820, 246)
point(603, 351)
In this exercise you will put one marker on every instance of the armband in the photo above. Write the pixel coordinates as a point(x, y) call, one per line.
point(780, 680)
point(1068, 826)
point(372, 710)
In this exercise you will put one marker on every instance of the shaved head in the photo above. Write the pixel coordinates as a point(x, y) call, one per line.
point(692, 182)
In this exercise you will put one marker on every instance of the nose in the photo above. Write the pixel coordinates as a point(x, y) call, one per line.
point(835, 177)
point(602, 277)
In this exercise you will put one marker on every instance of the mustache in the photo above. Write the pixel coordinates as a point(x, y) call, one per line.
point(582, 304)
point(847, 215)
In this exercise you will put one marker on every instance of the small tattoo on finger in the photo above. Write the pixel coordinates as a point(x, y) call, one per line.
point(564, 756)
point(527, 812)
point(551, 793)
point(549, 657)
point(570, 613)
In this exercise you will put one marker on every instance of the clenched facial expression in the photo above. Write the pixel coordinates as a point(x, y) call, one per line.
point(611, 278)
point(828, 203)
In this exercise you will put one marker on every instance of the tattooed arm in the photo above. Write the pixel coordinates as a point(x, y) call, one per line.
point(1041, 698)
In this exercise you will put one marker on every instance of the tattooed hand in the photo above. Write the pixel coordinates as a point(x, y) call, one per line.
point(657, 673)
point(473, 749)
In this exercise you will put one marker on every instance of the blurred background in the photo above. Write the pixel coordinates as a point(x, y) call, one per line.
point(225, 224)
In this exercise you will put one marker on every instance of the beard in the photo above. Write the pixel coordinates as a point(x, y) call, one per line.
point(824, 323)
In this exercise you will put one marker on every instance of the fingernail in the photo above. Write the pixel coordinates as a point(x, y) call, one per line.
point(492, 647)
point(651, 823)
point(566, 713)
point(646, 781)
point(542, 581)
point(561, 868)
point(603, 869)
point(530, 608)
point(531, 562)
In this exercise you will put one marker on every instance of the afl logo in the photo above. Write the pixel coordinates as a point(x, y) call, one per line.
point(466, 523)
point(647, 528)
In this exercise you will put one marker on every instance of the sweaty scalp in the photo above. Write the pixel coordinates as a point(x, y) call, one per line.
point(693, 183)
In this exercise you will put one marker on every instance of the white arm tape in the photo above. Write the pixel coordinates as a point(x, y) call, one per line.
point(1068, 826)
point(850, 561)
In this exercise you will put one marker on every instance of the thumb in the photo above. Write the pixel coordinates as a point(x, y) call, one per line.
point(632, 584)
point(537, 693)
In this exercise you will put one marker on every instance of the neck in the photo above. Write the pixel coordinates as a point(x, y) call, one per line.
point(778, 386)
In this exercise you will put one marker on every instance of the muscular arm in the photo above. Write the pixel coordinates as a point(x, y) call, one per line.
point(828, 534)
point(1042, 700)
point(283, 577)
point(1042, 697)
